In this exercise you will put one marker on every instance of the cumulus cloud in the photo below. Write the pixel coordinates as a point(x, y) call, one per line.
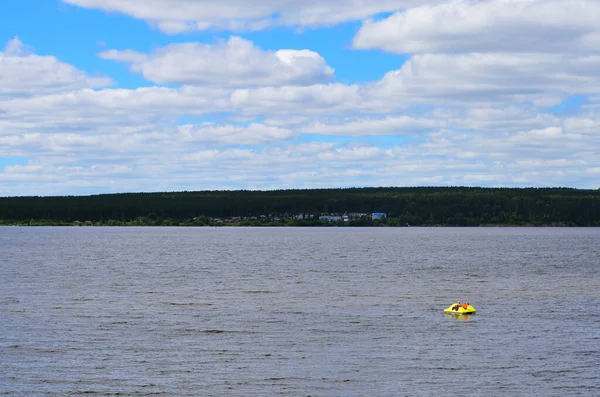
point(583, 125)
point(508, 119)
point(487, 26)
point(477, 80)
point(177, 16)
point(236, 62)
point(492, 77)
point(318, 98)
point(399, 125)
point(22, 73)
point(548, 156)
point(253, 134)
point(93, 110)
point(481, 102)
point(354, 154)
point(508, 148)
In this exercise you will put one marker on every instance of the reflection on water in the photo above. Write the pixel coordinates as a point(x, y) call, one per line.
point(462, 317)
point(299, 311)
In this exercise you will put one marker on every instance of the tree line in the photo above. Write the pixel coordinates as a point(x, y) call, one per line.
point(413, 206)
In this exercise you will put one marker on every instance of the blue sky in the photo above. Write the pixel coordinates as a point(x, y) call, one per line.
point(75, 35)
point(100, 96)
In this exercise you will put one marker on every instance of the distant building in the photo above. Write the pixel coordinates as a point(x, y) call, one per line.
point(330, 218)
point(378, 215)
point(304, 216)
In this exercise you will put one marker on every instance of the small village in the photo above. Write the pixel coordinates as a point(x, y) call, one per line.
point(283, 218)
point(262, 220)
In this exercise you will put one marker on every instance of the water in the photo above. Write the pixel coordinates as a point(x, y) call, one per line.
point(299, 311)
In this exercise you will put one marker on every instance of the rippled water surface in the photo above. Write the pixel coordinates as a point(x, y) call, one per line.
point(299, 311)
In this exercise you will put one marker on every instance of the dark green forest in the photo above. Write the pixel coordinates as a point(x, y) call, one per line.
point(403, 206)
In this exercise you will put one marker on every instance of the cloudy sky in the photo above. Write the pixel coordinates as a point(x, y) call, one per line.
point(101, 96)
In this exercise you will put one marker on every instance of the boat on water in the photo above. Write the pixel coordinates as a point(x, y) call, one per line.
point(460, 308)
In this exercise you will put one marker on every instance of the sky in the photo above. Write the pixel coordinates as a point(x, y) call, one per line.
point(111, 96)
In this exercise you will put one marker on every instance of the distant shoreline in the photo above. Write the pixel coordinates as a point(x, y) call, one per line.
point(385, 206)
point(8, 224)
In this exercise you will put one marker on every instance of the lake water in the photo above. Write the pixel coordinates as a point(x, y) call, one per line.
point(299, 311)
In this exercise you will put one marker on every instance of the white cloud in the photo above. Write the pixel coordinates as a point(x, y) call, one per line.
point(318, 98)
point(177, 16)
point(546, 144)
point(23, 73)
point(583, 125)
point(555, 163)
point(353, 154)
point(89, 110)
point(253, 134)
point(479, 80)
point(213, 156)
point(399, 125)
point(286, 121)
point(510, 118)
point(492, 81)
point(491, 77)
point(236, 62)
point(476, 100)
point(487, 26)
point(164, 160)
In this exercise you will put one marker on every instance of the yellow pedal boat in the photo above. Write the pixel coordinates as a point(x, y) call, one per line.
point(455, 308)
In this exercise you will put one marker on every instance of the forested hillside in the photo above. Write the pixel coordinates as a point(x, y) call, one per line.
point(403, 206)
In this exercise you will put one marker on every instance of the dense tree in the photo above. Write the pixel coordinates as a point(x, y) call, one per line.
point(456, 206)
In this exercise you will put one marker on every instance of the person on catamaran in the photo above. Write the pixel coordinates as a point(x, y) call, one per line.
point(456, 306)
